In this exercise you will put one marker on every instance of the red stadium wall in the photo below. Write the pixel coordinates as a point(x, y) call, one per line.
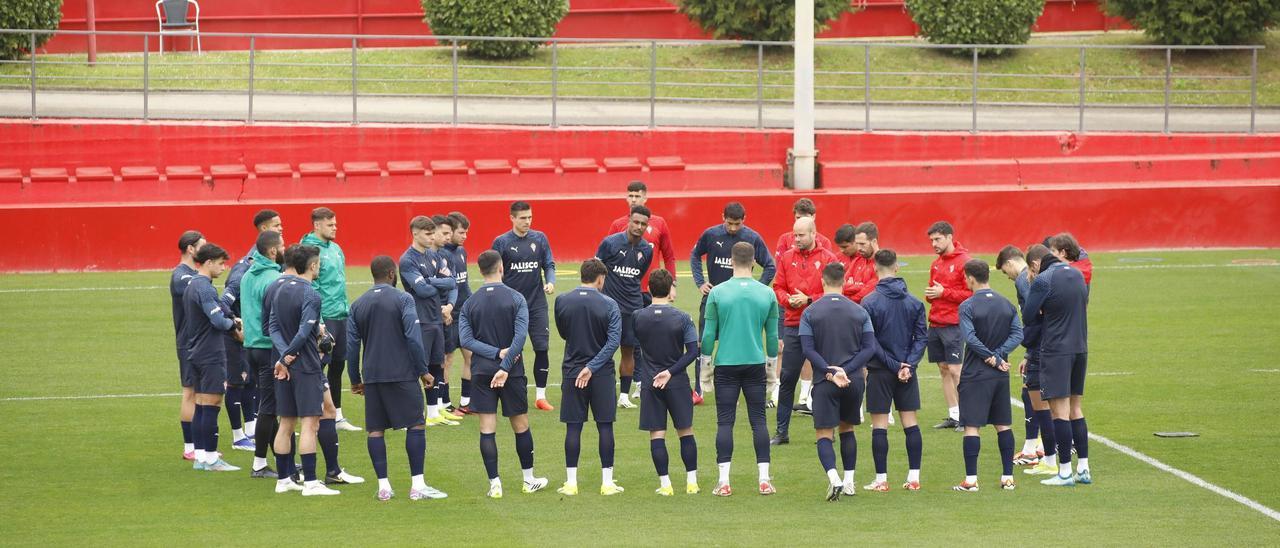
point(114, 196)
point(586, 19)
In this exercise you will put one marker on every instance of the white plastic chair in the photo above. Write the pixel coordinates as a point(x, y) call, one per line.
point(174, 22)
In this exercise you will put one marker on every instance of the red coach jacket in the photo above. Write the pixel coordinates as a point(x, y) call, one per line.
point(800, 270)
point(860, 277)
point(948, 270)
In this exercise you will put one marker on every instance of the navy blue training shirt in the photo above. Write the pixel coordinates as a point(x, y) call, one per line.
point(385, 320)
point(591, 326)
point(231, 289)
point(627, 263)
point(526, 263)
point(495, 317)
point(666, 335)
point(717, 244)
point(1030, 330)
point(294, 323)
point(204, 322)
point(458, 256)
point(178, 280)
point(428, 277)
point(900, 323)
point(1059, 292)
point(835, 331)
point(989, 324)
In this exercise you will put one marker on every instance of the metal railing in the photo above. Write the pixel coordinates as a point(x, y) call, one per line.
point(628, 80)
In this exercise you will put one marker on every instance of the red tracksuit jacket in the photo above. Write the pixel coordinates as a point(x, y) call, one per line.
point(948, 270)
point(800, 270)
point(860, 277)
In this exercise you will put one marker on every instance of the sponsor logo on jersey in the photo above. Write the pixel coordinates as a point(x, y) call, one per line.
point(626, 271)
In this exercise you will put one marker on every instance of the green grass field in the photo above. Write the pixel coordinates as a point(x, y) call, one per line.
point(1180, 341)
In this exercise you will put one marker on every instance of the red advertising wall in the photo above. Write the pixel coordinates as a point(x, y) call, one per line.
point(586, 19)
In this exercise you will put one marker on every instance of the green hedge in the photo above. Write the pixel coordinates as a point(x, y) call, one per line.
point(26, 14)
point(976, 21)
point(1198, 22)
point(769, 20)
point(506, 18)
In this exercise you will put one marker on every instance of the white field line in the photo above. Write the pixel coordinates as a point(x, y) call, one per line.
point(1264, 370)
point(1189, 477)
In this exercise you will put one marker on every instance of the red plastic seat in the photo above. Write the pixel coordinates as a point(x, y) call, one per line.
point(139, 173)
point(317, 169)
point(449, 167)
point(49, 174)
point(95, 174)
point(10, 175)
point(665, 163)
point(361, 168)
point(406, 167)
point(229, 171)
point(579, 165)
point(493, 166)
point(536, 165)
point(272, 170)
point(622, 164)
point(174, 173)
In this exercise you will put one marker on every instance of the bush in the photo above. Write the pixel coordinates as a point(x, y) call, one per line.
point(27, 14)
point(1198, 22)
point(510, 18)
point(769, 20)
point(976, 21)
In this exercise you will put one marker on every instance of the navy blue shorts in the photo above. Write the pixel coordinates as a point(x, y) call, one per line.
point(676, 399)
point(985, 402)
point(210, 377)
point(629, 330)
point(392, 405)
point(302, 395)
point(260, 361)
point(237, 362)
point(433, 342)
point(945, 345)
point(885, 392)
point(451, 339)
point(1032, 378)
point(599, 397)
point(833, 405)
point(1062, 375)
point(514, 396)
point(186, 376)
point(539, 328)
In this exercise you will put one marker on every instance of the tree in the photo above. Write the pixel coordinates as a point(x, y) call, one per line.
point(27, 14)
point(503, 18)
point(1198, 22)
point(976, 21)
point(766, 20)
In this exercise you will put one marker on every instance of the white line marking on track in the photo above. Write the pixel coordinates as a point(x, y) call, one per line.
point(1189, 477)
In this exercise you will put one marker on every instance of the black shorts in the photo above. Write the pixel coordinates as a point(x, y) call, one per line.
point(600, 397)
point(985, 402)
point(186, 376)
point(210, 377)
point(833, 405)
point(676, 399)
point(514, 396)
point(886, 393)
point(392, 405)
point(237, 363)
point(1062, 375)
point(260, 361)
point(629, 330)
point(302, 395)
point(1032, 378)
point(451, 339)
point(945, 345)
point(539, 329)
point(433, 342)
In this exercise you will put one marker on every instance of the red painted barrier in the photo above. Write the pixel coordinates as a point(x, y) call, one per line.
point(586, 19)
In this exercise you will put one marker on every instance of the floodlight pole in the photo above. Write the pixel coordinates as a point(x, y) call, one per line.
point(802, 151)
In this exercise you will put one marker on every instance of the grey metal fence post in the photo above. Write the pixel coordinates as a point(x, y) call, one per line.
point(1080, 124)
point(1253, 93)
point(252, 71)
point(32, 55)
point(974, 95)
point(146, 77)
point(555, 80)
point(866, 88)
point(653, 82)
point(1168, 82)
point(355, 114)
point(759, 86)
point(455, 80)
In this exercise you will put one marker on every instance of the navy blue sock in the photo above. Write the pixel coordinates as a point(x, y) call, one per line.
point(880, 449)
point(444, 393)
point(826, 454)
point(658, 450)
point(1062, 430)
point(489, 453)
point(415, 446)
point(572, 444)
point(915, 446)
point(624, 382)
point(605, 429)
point(1048, 436)
point(1005, 441)
point(232, 402)
point(1032, 426)
point(689, 452)
point(541, 363)
point(378, 454)
point(327, 438)
point(249, 403)
point(724, 442)
point(197, 428)
point(466, 388)
point(524, 449)
point(210, 419)
point(972, 446)
point(264, 434)
point(849, 451)
point(284, 465)
point(186, 432)
point(308, 466)
point(1080, 437)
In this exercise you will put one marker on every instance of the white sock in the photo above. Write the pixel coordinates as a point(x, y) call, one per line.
point(419, 483)
point(338, 415)
point(464, 401)
point(237, 434)
point(259, 463)
point(571, 475)
point(1006, 478)
point(528, 474)
point(774, 395)
point(433, 412)
point(495, 481)
point(384, 483)
point(971, 479)
point(606, 476)
point(954, 413)
point(200, 455)
point(764, 470)
point(1037, 444)
point(1064, 469)
point(808, 391)
point(691, 476)
point(664, 481)
point(188, 448)
point(251, 426)
point(882, 478)
point(804, 390)
point(312, 483)
point(1082, 464)
point(1029, 447)
point(913, 475)
point(833, 476)
point(848, 476)
point(724, 472)
point(541, 393)
point(1051, 460)
point(623, 396)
